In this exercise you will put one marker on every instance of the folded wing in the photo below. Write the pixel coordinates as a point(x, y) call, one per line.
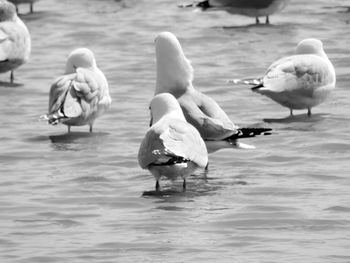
point(74, 95)
point(206, 115)
point(5, 45)
point(301, 72)
point(242, 3)
point(172, 141)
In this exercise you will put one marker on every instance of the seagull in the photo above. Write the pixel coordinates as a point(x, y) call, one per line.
point(81, 95)
point(300, 81)
point(15, 42)
point(175, 75)
point(30, 2)
point(171, 147)
point(251, 8)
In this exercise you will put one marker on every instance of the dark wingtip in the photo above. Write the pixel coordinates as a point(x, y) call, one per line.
point(257, 87)
point(173, 160)
point(252, 132)
point(204, 4)
point(249, 132)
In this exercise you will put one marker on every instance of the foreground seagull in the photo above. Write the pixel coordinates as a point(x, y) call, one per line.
point(301, 81)
point(81, 95)
point(172, 147)
point(30, 2)
point(251, 8)
point(175, 75)
point(14, 39)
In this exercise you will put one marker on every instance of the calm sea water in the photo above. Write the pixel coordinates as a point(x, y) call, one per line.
point(78, 198)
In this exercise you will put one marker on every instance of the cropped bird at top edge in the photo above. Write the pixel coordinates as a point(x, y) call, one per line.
point(171, 147)
point(251, 8)
point(175, 75)
point(81, 95)
point(300, 81)
point(30, 2)
point(15, 44)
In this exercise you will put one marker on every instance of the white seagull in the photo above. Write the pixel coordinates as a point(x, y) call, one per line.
point(251, 8)
point(30, 2)
point(15, 42)
point(81, 95)
point(175, 75)
point(301, 81)
point(171, 147)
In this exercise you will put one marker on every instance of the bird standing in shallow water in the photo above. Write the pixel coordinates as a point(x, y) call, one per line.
point(30, 2)
point(171, 147)
point(81, 95)
point(301, 81)
point(251, 8)
point(15, 44)
point(175, 75)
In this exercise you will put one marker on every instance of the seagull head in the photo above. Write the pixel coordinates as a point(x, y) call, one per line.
point(174, 70)
point(7, 11)
point(80, 58)
point(310, 46)
point(165, 104)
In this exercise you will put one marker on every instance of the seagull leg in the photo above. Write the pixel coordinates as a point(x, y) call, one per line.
point(291, 112)
point(31, 8)
point(267, 20)
point(157, 186)
point(68, 129)
point(11, 76)
point(309, 112)
point(17, 9)
point(257, 20)
point(184, 185)
point(90, 129)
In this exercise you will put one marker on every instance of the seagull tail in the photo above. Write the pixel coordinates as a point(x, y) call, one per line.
point(251, 82)
point(53, 118)
point(186, 5)
point(201, 4)
point(56, 110)
point(168, 159)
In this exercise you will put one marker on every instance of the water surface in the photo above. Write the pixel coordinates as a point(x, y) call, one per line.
point(78, 197)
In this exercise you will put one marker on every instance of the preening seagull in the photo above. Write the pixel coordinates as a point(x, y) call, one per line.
point(171, 147)
point(15, 42)
point(300, 81)
point(81, 95)
point(175, 75)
